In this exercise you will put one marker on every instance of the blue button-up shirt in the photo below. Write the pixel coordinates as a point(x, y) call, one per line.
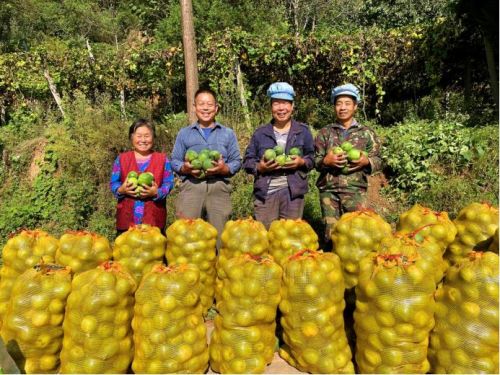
point(221, 139)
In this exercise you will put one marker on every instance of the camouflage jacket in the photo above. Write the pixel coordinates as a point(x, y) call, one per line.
point(361, 137)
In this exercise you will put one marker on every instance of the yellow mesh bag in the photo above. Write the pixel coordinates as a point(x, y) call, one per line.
point(312, 314)
point(169, 332)
point(355, 235)
point(288, 236)
point(21, 252)
point(394, 310)
point(243, 236)
point(97, 333)
point(465, 337)
point(193, 241)
point(32, 328)
point(82, 250)
point(243, 340)
point(139, 249)
point(476, 225)
point(431, 225)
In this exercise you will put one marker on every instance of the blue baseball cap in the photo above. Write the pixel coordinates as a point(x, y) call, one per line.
point(347, 89)
point(281, 90)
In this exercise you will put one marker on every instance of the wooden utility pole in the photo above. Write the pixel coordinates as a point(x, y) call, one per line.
point(190, 58)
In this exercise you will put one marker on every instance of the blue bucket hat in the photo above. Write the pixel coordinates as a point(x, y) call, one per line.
point(347, 89)
point(281, 90)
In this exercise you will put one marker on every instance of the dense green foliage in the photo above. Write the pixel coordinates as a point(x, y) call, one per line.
point(420, 65)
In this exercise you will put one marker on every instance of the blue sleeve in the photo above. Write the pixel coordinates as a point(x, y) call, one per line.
point(233, 159)
point(167, 182)
point(115, 181)
point(251, 157)
point(308, 150)
point(178, 152)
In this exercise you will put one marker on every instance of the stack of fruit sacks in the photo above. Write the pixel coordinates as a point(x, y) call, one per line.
point(394, 309)
point(465, 337)
point(97, 334)
point(244, 236)
point(22, 252)
point(34, 318)
point(312, 314)
point(169, 332)
point(204, 160)
point(193, 241)
point(243, 340)
point(287, 236)
point(139, 249)
point(434, 231)
point(476, 225)
point(355, 235)
point(82, 250)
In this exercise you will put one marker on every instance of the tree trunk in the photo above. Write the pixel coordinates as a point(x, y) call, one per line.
point(243, 99)
point(53, 90)
point(190, 58)
point(490, 60)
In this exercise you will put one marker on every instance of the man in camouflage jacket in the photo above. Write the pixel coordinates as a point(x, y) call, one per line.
point(342, 185)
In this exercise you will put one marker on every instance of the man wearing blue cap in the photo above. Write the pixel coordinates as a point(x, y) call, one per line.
point(343, 178)
point(280, 182)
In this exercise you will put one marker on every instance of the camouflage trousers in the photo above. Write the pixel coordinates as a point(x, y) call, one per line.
point(334, 205)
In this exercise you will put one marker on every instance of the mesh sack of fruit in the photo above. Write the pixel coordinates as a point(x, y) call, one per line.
point(432, 225)
point(21, 252)
point(241, 350)
point(139, 249)
point(99, 310)
point(312, 319)
point(476, 225)
point(465, 337)
point(428, 248)
point(287, 236)
point(243, 340)
point(32, 328)
point(169, 332)
point(355, 235)
point(394, 310)
point(243, 236)
point(82, 250)
point(193, 241)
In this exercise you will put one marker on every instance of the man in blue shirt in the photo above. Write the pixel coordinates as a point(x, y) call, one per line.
point(207, 196)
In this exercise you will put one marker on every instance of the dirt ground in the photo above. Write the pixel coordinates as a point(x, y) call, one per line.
point(277, 366)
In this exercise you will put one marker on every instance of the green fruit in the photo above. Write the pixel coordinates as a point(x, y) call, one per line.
point(346, 146)
point(289, 158)
point(269, 154)
point(364, 153)
point(215, 155)
point(345, 170)
point(202, 156)
point(138, 190)
point(279, 150)
point(190, 155)
point(202, 175)
point(145, 179)
point(133, 181)
point(337, 150)
point(281, 159)
point(132, 174)
point(207, 164)
point(197, 164)
point(353, 154)
point(295, 151)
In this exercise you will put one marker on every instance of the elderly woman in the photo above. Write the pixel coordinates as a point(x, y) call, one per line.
point(141, 203)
